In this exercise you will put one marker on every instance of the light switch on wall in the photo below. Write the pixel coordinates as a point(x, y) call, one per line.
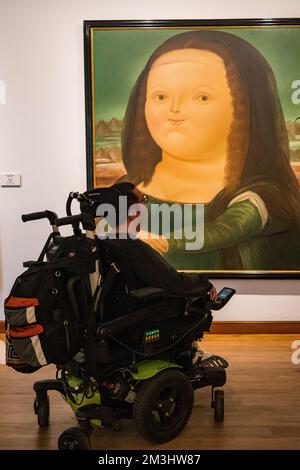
point(9, 180)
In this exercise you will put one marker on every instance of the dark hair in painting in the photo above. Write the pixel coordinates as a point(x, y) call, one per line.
point(258, 147)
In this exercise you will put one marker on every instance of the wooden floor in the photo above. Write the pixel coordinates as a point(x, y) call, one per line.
point(262, 400)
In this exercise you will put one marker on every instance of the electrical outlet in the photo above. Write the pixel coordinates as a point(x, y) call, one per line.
point(9, 180)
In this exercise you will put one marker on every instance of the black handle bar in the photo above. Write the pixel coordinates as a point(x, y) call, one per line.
point(72, 219)
point(51, 216)
point(87, 221)
point(58, 222)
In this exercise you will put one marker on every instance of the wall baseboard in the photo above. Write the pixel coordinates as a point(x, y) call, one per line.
point(243, 327)
point(252, 327)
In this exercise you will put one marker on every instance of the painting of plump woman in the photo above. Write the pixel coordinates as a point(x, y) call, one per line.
point(203, 123)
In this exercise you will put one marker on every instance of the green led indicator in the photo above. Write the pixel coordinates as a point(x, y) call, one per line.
point(152, 332)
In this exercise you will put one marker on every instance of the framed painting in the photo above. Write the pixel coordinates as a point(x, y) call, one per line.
point(202, 114)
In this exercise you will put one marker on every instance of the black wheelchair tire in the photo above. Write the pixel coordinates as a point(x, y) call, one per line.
point(155, 393)
point(42, 410)
point(74, 439)
point(219, 406)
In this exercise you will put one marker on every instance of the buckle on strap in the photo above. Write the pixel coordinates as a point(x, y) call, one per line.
point(116, 267)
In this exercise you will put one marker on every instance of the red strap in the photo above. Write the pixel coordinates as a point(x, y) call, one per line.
point(20, 302)
point(25, 331)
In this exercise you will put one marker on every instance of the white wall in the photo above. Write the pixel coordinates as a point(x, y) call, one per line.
point(42, 127)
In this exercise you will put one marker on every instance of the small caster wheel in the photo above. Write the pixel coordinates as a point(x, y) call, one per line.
point(42, 410)
point(74, 439)
point(219, 406)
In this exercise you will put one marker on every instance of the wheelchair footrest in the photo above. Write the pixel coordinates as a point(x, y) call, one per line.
point(206, 373)
point(214, 362)
point(215, 376)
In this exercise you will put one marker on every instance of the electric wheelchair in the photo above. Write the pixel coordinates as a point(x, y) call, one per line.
point(136, 357)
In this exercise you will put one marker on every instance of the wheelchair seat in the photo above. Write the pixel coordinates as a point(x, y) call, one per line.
point(112, 253)
point(129, 314)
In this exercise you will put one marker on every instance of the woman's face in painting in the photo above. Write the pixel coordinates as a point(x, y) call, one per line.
point(188, 106)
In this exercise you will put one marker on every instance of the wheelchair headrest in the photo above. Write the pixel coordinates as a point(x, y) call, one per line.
point(111, 195)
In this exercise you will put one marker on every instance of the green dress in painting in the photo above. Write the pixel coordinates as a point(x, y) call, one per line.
point(245, 236)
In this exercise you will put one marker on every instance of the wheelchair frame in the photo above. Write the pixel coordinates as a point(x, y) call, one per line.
point(130, 390)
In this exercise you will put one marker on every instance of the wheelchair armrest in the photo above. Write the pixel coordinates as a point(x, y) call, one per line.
point(148, 292)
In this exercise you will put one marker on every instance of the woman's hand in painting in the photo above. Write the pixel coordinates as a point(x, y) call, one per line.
point(157, 242)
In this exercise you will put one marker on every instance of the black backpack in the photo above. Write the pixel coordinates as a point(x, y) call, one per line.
point(49, 304)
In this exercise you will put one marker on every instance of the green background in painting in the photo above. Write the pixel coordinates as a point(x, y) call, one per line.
point(120, 55)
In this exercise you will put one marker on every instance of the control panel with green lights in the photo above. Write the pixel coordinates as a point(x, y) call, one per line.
point(150, 336)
